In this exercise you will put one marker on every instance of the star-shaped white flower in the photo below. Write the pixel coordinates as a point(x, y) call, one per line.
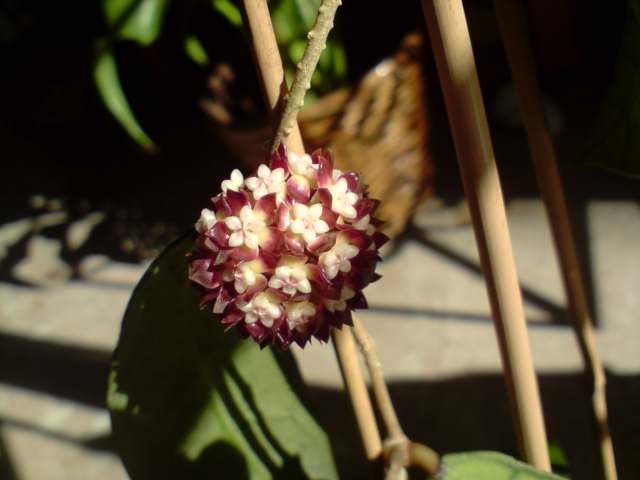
point(290, 279)
point(244, 277)
point(307, 222)
point(302, 165)
point(244, 228)
point(299, 313)
point(234, 183)
point(206, 221)
point(340, 304)
point(263, 307)
point(342, 200)
point(267, 181)
point(338, 259)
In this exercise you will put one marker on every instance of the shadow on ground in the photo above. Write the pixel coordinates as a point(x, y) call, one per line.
point(468, 412)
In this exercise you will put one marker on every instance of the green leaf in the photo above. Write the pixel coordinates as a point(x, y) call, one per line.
point(195, 51)
point(229, 11)
point(489, 466)
point(617, 140)
point(136, 20)
point(307, 11)
point(557, 456)
point(287, 22)
point(105, 71)
point(190, 401)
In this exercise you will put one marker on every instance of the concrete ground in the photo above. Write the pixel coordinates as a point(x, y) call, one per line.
point(429, 316)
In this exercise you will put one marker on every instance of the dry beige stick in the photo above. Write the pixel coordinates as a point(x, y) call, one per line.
point(423, 457)
point(513, 27)
point(396, 443)
point(400, 451)
point(451, 44)
point(351, 372)
point(270, 72)
point(264, 48)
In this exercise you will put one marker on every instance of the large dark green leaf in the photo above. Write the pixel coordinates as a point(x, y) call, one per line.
point(489, 466)
point(618, 139)
point(190, 401)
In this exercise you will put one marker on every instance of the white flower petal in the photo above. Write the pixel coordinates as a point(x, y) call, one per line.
point(315, 210)
point(283, 271)
point(252, 183)
point(240, 286)
point(277, 175)
point(246, 214)
point(236, 239)
point(320, 226)
point(297, 226)
point(300, 210)
point(260, 192)
point(233, 223)
point(309, 236)
point(345, 266)
point(304, 286)
point(349, 212)
point(237, 178)
point(249, 276)
point(340, 186)
point(263, 171)
point(206, 221)
point(250, 240)
point(273, 310)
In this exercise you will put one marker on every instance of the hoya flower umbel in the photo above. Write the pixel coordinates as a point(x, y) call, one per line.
point(283, 255)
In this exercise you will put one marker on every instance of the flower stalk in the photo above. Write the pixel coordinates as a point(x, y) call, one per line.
point(396, 444)
point(304, 70)
point(400, 451)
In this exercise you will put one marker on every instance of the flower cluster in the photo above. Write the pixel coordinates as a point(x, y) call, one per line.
point(284, 254)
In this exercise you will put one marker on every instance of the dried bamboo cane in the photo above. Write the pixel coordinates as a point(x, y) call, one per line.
point(269, 65)
point(266, 55)
point(348, 360)
point(451, 44)
point(513, 28)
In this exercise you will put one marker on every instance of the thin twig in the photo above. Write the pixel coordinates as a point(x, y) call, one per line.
point(301, 83)
point(451, 44)
point(356, 387)
point(423, 457)
point(396, 443)
point(513, 27)
point(270, 72)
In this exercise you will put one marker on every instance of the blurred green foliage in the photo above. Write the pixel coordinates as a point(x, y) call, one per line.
point(617, 140)
point(143, 22)
point(489, 466)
